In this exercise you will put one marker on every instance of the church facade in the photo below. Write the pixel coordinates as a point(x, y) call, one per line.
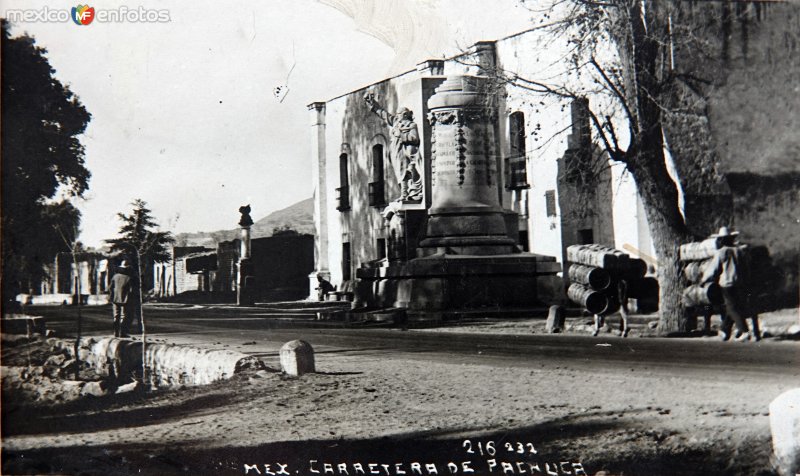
point(364, 165)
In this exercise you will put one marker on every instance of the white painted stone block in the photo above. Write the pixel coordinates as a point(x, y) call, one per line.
point(97, 389)
point(297, 358)
point(784, 420)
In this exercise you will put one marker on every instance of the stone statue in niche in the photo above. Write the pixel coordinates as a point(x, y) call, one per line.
point(245, 221)
point(405, 155)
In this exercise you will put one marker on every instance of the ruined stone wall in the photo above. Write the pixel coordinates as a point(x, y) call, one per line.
point(754, 111)
point(281, 266)
point(740, 96)
point(225, 275)
point(185, 281)
point(767, 211)
point(737, 147)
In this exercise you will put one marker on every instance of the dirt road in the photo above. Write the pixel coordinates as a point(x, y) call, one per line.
point(392, 402)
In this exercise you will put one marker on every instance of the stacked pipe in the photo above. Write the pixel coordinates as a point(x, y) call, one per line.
point(696, 257)
point(595, 273)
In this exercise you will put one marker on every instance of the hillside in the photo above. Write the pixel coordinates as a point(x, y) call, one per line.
point(298, 217)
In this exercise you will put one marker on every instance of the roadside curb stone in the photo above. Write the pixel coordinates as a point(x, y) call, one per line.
point(784, 421)
point(297, 358)
point(97, 389)
point(555, 320)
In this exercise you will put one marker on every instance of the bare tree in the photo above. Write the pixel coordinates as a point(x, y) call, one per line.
point(621, 53)
point(75, 247)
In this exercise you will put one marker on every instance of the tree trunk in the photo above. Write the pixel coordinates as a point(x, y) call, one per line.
point(647, 163)
point(660, 199)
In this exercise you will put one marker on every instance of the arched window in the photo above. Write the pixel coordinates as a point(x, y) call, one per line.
point(377, 163)
point(516, 163)
point(376, 186)
point(343, 191)
point(516, 133)
point(344, 176)
point(347, 262)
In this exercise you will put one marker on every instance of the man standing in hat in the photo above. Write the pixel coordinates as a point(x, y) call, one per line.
point(728, 269)
point(122, 292)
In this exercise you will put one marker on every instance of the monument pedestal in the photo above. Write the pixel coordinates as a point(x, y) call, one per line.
point(405, 229)
point(467, 231)
point(467, 258)
point(441, 282)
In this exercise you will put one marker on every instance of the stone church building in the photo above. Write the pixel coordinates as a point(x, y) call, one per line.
point(554, 187)
point(547, 206)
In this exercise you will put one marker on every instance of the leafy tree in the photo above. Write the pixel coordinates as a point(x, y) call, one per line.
point(139, 235)
point(42, 156)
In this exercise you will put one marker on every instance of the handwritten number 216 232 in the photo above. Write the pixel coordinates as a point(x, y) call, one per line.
point(488, 448)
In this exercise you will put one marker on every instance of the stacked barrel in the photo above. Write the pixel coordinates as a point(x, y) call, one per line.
point(696, 257)
point(595, 273)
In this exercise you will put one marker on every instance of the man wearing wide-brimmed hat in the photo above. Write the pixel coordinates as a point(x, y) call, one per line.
point(121, 292)
point(726, 268)
point(727, 237)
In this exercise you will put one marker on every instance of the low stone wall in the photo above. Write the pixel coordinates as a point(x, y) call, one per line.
point(167, 365)
point(22, 324)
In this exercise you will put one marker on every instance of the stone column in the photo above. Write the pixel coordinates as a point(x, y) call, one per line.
point(244, 250)
point(246, 282)
point(319, 179)
point(465, 215)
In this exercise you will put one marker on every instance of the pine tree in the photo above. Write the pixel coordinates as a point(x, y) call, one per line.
point(138, 234)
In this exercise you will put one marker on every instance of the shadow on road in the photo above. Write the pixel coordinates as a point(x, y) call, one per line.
point(553, 446)
point(557, 445)
point(91, 414)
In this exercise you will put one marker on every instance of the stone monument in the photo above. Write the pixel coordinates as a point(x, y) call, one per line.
point(405, 150)
point(465, 217)
point(468, 257)
point(404, 214)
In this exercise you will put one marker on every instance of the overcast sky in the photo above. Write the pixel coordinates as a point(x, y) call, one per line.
point(183, 112)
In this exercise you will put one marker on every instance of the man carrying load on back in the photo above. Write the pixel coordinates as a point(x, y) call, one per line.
point(729, 269)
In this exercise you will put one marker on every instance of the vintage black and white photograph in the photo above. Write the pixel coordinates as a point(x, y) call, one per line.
point(400, 237)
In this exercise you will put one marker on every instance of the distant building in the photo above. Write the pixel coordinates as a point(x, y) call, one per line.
point(64, 281)
point(281, 266)
point(171, 278)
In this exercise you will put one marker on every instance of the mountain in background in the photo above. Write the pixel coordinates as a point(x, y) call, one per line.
point(298, 217)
